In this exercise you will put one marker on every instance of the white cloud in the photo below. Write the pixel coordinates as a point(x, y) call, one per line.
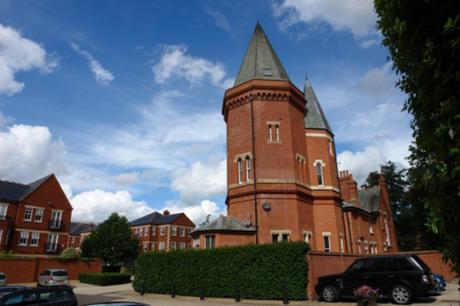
point(361, 163)
point(96, 205)
point(355, 16)
point(18, 53)
point(128, 178)
point(200, 181)
point(165, 137)
point(3, 119)
point(219, 19)
point(197, 213)
point(30, 152)
point(176, 63)
point(102, 75)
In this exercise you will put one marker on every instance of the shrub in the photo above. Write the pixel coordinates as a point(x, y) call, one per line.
point(260, 272)
point(70, 253)
point(104, 279)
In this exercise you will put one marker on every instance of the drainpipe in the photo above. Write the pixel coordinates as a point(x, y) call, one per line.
point(254, 167)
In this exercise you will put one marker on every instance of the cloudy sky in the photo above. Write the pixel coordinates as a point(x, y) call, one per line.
point(122, 99)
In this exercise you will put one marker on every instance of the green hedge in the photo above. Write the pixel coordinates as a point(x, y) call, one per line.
point(260, 272)
point(104, 279)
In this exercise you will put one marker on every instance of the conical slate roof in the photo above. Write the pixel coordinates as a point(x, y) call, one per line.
point(260, 61)
point(315, 118)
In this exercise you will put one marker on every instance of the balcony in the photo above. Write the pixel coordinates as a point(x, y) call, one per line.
point(56, 225)
point(51, 248)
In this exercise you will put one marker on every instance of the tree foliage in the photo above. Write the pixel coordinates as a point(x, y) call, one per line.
point(112, 241)
point(423, 38)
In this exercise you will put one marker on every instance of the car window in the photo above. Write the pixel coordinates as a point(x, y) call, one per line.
point(2, 276)
point(45, 273)
point(60, 273)
point(21, 298)
point(381, 264)
point(360, 266)
point(420, 262)
point(54, 295)
point(402, 264)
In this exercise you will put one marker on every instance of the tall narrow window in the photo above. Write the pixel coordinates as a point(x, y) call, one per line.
point(35, 238)
point(342, 249)
point(23, 238)
point(210, 241)
point(28, 214)
point(3, 209)
point(248, 169)
point(387, 231)
point(319, 173)
point(270, 133)
point(327, 242)
point(277, 133)
point(38, 215)
point(240, 171)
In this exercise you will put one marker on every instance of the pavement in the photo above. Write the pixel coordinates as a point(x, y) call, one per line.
point(95, 294)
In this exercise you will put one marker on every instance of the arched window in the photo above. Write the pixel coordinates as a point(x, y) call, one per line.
point(319, 173)
point(277, 133)
point(248, 168)
point(240, 171)
point(270, 133)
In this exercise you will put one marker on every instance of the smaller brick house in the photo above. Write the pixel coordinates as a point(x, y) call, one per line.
point(35, 217)
point(368, 217)
point(78, 231)
point(163, 232)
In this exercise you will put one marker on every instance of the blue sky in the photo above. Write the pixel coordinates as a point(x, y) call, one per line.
point(122, 100)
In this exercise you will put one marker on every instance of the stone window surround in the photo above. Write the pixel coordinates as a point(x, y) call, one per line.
point(277, 133)
point(323, 165)
point(242, 157)
point(308, 236)
point(328, 235)
point(280, 234)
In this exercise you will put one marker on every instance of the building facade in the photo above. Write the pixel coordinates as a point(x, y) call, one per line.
point(34, 218)
point(78, 232)
point(283, 182)
point(163, 232)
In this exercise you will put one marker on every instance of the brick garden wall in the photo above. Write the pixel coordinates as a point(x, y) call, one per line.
point(320, 263)
point(20, 270)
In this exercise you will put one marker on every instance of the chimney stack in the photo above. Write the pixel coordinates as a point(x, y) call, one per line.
point(166, 212)
point(348, 187)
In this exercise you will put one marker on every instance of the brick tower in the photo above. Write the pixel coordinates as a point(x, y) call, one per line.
point(267, 175)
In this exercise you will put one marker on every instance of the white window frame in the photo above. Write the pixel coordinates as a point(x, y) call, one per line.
point(371, 230)
point(39, 212)
point(248, 168)
point(162, 246)
point(270, 133)
point(212, 241)
point(146, 246)
point(162, 230)
point(173, 245)
point(3, 210)
point(319, 171)
point(279, 234)
point(182, 231)
point(173, 230)
point(240, 170)
point(35, 239)
point(154, 230)
point(28, 212)
point(327, 235)
point(307, 236)
point(23, 236)
point(342, 243)
point(277, 133)
point(182, 246)
point(387, 229)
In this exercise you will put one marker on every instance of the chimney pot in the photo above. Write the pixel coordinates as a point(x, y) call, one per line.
point(166, 212)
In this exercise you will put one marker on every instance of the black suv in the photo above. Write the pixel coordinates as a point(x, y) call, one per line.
point(43, 296)
point(399, 277)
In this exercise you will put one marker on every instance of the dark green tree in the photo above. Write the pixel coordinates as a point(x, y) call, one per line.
point(423, 38)
point(113, 242)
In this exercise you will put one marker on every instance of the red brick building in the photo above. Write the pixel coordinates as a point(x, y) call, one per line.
point(34, 218)
point(163, 232)
point(283, 182)
point(78, 232)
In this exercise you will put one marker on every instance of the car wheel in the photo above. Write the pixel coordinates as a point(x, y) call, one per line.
point(401, 294)
point(330, 293)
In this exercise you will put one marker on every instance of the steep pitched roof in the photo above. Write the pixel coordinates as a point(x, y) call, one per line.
point(226, 223)
point(260, 61)
point(16, 192)
point(369, 198)
point(155, 218)
point(314, 118)
point(76, 228)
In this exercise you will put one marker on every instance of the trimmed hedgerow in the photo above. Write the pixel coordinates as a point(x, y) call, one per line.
point(260, 272)
point(104, 279)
